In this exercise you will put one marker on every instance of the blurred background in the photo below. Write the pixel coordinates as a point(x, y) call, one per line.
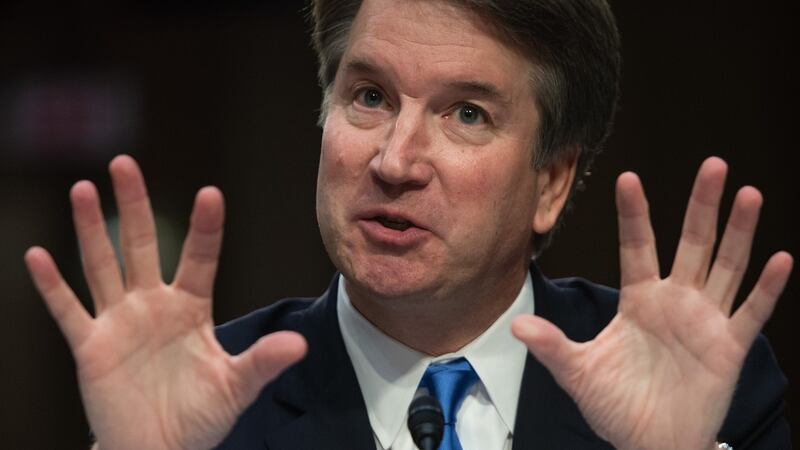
point(224, 93)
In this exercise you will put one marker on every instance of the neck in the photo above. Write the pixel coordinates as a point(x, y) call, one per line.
point(437, 325)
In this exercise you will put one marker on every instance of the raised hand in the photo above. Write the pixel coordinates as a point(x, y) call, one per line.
point(151, 372)
point(661, 375)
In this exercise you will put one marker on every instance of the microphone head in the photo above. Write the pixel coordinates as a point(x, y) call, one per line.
point(426, 422)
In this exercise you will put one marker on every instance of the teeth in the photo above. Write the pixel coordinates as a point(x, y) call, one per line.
point(395, 224)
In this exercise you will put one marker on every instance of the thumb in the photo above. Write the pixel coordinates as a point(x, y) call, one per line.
point(550, 346)
point(265, 360)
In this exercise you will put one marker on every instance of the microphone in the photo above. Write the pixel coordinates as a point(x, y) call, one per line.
point(426, 422)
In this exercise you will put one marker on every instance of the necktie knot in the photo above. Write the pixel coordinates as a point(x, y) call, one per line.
point(449, 383)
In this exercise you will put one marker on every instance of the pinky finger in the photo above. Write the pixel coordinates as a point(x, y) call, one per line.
point(73, 319)
point(748, 320)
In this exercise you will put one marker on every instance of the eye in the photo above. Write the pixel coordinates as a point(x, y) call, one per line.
point(471, 115)
point(370, 97)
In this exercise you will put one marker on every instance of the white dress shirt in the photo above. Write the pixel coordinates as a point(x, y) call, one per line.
point(389, 374)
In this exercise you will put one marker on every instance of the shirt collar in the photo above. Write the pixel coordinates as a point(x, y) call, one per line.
point(389, 372)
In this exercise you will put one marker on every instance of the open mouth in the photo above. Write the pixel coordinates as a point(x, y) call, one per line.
point(394, 224)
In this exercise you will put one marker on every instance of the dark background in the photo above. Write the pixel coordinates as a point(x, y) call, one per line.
point(224, 93)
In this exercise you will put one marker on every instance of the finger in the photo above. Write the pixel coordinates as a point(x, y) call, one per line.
point(69, 314)
point(265, 360)
point(137, 227)
point(550, 346)
point(637, 243)
point(700, 224)
point(748, 320)
point(734, 250)
point(97, 255)
point(198, 264)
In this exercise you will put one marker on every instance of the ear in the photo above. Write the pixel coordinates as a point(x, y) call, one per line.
point(554, 185)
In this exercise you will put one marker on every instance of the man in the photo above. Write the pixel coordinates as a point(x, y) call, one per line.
point(454, 133)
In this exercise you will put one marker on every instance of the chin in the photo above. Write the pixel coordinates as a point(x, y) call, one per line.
point(391, 278)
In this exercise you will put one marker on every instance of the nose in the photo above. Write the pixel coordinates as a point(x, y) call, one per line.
point(403, 157)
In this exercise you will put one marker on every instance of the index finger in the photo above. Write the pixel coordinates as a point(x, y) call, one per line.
point(637, 243)
point(198, 265)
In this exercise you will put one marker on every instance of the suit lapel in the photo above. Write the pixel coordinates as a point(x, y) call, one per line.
point(323, 390)
point(547, 418)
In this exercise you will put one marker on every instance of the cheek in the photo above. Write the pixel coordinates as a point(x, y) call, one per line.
point(330, 173)
point(332, 189)
point(331, 154)
point(344, 154)
point(489, 183)
point(498, 196)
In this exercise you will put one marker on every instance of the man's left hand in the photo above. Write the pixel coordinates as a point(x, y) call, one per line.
point(661, 375)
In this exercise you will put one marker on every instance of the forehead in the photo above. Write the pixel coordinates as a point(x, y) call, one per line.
point(433, 41)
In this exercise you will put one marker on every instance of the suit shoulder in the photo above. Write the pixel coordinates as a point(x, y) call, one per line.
point(577, 306)
point(287, 314)
point(756, 415)
point(586, 292)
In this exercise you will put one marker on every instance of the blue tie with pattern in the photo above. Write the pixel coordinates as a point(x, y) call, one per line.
point(449, 383)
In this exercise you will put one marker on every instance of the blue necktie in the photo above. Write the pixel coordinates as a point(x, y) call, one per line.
point(449, 383)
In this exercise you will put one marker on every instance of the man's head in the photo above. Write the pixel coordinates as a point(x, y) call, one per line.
point(432, 118)
point(574, 45)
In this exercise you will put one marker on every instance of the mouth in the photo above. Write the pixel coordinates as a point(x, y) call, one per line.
point(394, 223)
point(393, 229)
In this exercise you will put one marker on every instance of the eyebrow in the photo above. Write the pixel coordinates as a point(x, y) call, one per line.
point(362, 65)
point(479, 89)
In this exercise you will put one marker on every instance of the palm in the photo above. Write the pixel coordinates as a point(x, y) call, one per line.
point(140, 344)
point(151, 371)
point(662, 373)
point(653, 366)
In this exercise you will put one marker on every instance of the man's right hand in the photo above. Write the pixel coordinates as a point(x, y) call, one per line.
point(152, 374)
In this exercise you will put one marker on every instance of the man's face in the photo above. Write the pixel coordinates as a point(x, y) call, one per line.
point(425, 185)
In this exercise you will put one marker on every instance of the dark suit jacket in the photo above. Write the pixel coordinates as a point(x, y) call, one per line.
point(317, 404)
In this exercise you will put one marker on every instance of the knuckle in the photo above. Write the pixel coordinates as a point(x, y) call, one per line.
point(634, 242)
point(139, 239)
point(758, 313)
point(100, 261)
point(733, 263)
point(202, 257)
point(697, 237)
